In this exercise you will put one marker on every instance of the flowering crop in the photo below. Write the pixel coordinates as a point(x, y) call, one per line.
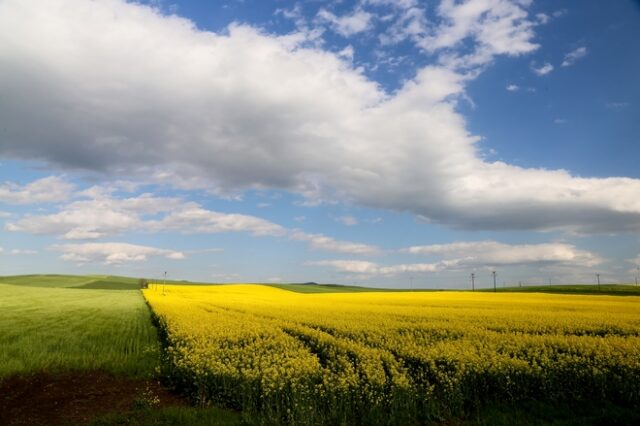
point(400, 358)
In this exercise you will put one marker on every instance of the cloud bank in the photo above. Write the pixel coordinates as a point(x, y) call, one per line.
point(121, 89)
point(470, 255)
point(113, 253)
point(46, 190)
point(105, 215)
point(493, 253)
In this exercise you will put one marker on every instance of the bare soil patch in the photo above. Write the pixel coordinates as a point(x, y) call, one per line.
point(76, 398)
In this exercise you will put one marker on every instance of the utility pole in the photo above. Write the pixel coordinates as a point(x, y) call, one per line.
point(638, 274)
point(411, 282)
point(473, 281)
point(164, 282)
point(598, 277)
point(495, 288)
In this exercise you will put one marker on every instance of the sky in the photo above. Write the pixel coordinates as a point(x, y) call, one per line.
point(385, 143)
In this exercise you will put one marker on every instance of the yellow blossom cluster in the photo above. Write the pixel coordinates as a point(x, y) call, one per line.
point(393, 357)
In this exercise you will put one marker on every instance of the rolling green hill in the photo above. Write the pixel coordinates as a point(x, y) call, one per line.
point(113, 282)
point(106, 282)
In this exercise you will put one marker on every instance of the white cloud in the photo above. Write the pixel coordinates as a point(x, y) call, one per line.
point(294, 14)
point(493, 253)
point(352, 266)
point(370, 268)
point(107, 216)
point(19, 252)
point(306, 34)
point(112, 253)
point(497, 26)
point(192, 218)
point(465, 255)
point(571, 57)
point(322, 242)
point(513, 88)
point(543, 18)
point(195, 219)
point(617, 105)
point(347, 25)
point(241, 110)
point(543, 69)
point(346, 220)
point(108, 189)
point(559, 13)
point(347, 53)
point(560, 121)
point(410, 23)
point(399, 4)
point(96, 218)
point(75, 224)
point(46, 190)
point(206, 250)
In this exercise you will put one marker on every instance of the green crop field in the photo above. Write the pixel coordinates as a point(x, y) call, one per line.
point(43, 328)
point(50, 281)
point(58, 325)
point(105, 282)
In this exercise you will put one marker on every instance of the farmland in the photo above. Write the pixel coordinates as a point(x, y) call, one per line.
point(44, 327)
point(312, 354)
point(401, 357)
point(76, 347)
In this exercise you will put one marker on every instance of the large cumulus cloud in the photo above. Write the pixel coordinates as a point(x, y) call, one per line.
point(120, 89)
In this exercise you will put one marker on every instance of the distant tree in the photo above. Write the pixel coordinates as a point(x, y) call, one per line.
point(143, 283)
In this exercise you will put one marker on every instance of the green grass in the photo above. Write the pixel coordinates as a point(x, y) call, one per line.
point(107, 282)
point(47, 281)
point(68, 329)
point(110, 285)
point(174, 416)
point(604, 289)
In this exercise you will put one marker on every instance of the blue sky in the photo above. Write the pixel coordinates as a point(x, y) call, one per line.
point(376, 142)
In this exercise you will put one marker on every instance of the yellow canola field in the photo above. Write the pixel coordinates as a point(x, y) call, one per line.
point(393, 357)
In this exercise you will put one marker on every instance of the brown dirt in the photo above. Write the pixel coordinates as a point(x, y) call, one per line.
point(74, 398)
